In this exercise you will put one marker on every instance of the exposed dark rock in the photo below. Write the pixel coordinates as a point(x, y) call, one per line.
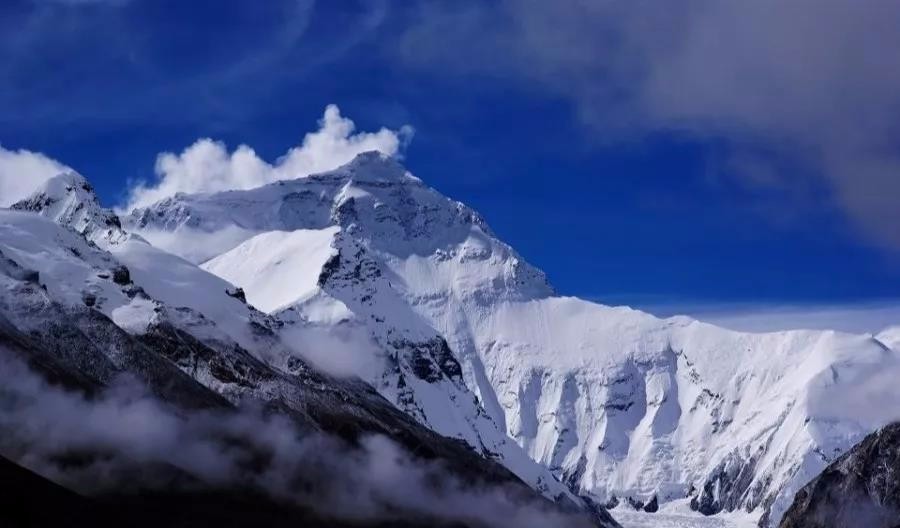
point(14, 270)
point(430, 360)
point(447, 361)
point(89, 299)
point(121, 275)
point(601, 516)
point(237, 293)
point(329, 268)
point(860, 489)
point(113, 221)
point(133, 291)
point(652, 506)
point(726, 486)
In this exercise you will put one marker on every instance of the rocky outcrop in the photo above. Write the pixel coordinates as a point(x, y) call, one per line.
point(860, 489)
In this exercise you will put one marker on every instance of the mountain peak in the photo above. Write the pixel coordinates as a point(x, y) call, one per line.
point(67, 183)
point(70, 200)
point(375, 167)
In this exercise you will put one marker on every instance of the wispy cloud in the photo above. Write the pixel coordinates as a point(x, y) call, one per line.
point(808, 80)
point(207, 166)
point(150, 64)
point(862, 317)
point(124, 430)
point(22, 171)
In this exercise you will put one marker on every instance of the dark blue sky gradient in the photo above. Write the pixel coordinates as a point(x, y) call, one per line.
point(104, 88)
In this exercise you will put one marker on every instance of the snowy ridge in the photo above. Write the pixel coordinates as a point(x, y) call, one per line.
point(890, 337)
point(163, 289)
point(68, 199)
point(416, 371)
point(615, 402)
point(281, 266)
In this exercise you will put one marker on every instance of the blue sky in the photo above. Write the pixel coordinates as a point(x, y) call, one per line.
point(686, 153)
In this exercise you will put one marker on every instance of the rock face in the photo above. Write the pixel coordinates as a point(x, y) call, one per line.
point(861, 488)
point(477, 345)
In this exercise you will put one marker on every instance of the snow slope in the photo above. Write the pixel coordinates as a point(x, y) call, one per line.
point(615, 402)
point(69, 200)
point(71, 269)
point(278, 268)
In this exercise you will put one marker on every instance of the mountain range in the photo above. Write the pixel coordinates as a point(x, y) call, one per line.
point(361, 302)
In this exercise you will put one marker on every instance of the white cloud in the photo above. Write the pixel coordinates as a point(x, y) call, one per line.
point(376, 480)
point(868, 317)
point(812, 81)
point(207, 166)
point(22, 171)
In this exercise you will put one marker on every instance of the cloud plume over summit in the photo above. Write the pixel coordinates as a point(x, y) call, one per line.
point(208, 166)
point(21, 171)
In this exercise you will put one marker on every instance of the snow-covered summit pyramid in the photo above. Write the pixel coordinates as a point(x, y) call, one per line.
point(413, 366)
point(108, 301)
point(615, 402)
point(68, 199)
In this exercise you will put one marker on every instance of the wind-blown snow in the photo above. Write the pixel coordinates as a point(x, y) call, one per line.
point(207, 165)
point(22, 171)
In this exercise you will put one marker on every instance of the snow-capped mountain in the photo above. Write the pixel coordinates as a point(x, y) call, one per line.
point(336, 283)
point(83, 301)
point(477, 345)
point(68, 199)
point(85, 264)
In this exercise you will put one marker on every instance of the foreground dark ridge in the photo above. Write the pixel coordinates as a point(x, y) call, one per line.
point(28, 500)
point(860, 489)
